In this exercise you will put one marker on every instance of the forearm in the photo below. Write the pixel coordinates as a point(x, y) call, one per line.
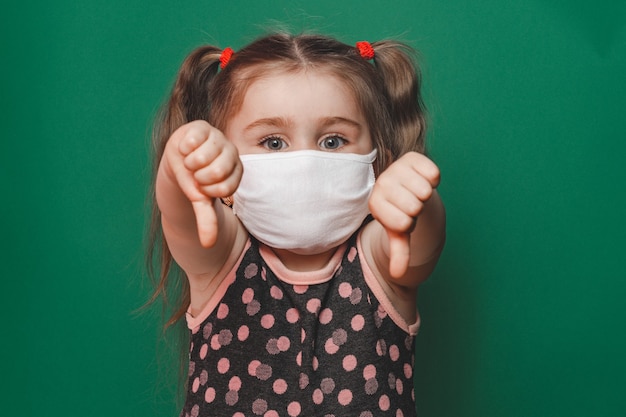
point(175, 207)
point(428, 236)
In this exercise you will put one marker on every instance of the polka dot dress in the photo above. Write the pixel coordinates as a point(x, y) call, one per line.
point(270, 349)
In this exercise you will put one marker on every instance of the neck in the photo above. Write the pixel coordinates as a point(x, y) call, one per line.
point(304, 263)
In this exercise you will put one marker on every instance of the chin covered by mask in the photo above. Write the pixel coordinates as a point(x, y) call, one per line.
point(307, 201)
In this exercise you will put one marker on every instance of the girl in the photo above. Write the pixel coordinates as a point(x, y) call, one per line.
point(301, 297)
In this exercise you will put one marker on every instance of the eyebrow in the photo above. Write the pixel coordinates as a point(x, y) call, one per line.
point(284, 122)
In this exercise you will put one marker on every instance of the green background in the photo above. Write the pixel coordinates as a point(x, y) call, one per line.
point(525, 315)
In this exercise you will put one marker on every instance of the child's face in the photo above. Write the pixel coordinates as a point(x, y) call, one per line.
point(298, 111)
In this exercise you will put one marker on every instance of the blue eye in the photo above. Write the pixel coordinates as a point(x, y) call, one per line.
point(332, 142)
point(273, 143)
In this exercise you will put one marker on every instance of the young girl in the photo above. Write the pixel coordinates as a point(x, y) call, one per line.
point(301, 297)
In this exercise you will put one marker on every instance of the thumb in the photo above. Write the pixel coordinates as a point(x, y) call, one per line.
point(399, 253)
point(206, 220)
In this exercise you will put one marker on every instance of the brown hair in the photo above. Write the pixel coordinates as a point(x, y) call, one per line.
point(387, 91)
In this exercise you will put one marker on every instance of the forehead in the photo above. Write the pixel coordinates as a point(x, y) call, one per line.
point(303, 92)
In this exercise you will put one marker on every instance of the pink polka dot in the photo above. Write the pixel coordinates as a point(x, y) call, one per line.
point(195, 385)
point(369, 372)
point(280, 386)
point(408, 371)
point(300, 289)
point(399, 386)
point(355, 296)
point(253, 307)
point(292, 315)
point(204, 377)
point(247, 296)
point(330, 347)
point(263, 372)
point(195, 411)
point(327, 385)
point(304, 381)
point(283, 343)
point(224, 337)
point(371, 386)
point(209, 395)
point(267, 321)
point(259, 407)
point(394, 352)
point(192, 368)
point(231, 397)
point(345, 397)
point(302, 335)
point(276, 292)
point(357, 323)
point(315, 363)
point(340, 336)
point(399, 413)
point(238, 414)
point(250, 271)
point(243, 333)
point(206, 331)
point(294, 409)
point(271, 413)
point(215, 342)
point(381, 347)
point(352, 254)
point(252, 367)
point(223, 365)
point(326, 315)
point(349, 363)
point(345, 289)
point(318, 396)
point(384, 403)
point(222, 311)
point(299, 358)
point(204, 349)
point(313, 305)
point(272, 347)
point(234, 384)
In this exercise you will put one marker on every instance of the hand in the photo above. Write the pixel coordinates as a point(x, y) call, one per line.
point(206, 166)
point(399, 196)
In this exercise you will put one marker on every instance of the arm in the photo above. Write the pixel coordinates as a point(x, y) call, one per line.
point(198, 167)
point(404, 242)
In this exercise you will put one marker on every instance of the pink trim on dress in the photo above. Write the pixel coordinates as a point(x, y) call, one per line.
point(194, 322)
point(374, 285)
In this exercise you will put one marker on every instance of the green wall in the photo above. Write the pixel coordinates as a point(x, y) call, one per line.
point(525, 315)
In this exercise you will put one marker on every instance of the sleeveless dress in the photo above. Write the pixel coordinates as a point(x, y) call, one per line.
point(274, 342)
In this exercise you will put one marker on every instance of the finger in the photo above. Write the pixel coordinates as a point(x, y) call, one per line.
point(426, 169)
point(206, 220)
point(399, 253)
point(221, 167)
point(191, 141)
point(226, 186)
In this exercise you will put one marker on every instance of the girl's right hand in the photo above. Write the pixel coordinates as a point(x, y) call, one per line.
point(206, 166)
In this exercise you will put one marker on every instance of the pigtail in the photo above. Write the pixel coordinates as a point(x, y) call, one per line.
point(188, 101)
point(401, 77)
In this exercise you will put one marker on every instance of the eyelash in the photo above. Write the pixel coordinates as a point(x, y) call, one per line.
point(264, 141)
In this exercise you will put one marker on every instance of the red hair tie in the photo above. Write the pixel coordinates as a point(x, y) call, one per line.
point(225, 56)
point(365, 49)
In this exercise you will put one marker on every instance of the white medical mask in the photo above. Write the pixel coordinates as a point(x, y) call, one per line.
point(304, 201)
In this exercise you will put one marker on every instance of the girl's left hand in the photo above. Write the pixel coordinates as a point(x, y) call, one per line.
point(398, 197)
